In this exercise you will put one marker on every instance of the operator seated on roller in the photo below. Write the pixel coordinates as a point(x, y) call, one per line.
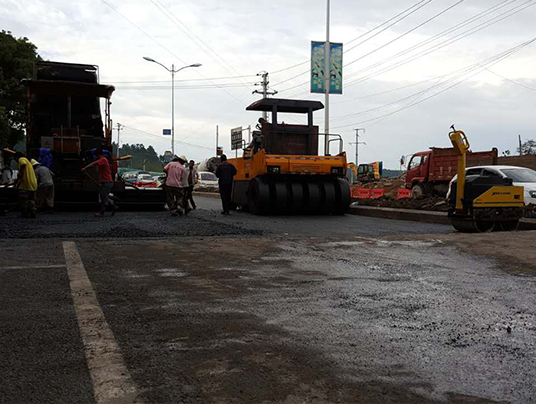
point(225, 173)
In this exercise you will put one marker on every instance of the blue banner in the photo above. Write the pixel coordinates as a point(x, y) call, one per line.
point(317, 67)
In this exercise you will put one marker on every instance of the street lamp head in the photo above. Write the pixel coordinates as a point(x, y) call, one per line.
point(149, 59)
point(196, 65)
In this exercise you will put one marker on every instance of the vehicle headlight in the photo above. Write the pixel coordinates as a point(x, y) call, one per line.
point(337, 171)
point(273, 169)
point(532, 194)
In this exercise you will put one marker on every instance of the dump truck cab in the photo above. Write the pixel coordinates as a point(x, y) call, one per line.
point(281, 170)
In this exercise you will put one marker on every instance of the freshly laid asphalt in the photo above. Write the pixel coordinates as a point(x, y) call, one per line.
point(243, 309)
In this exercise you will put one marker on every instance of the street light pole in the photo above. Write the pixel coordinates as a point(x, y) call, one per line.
point(173, 109)
point(172, 71)
point(327, 81)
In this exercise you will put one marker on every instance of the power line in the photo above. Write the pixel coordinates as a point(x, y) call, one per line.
point(164, 137)
point(159, 44)
point(142, 31)
point(437, 46)
point(152, 88)
point(455, 74)
point(359, 37)
point(195, 38)
point(512, 81)
point(405, 33)
point(439, 83)
point(176, 81)
point(447, 42)
point(503, 56)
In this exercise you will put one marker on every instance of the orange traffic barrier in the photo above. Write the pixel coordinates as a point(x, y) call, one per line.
point(404, 193)
point(378, 193)
point(363, 193)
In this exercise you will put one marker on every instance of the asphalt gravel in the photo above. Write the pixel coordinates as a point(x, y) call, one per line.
point(241, 309)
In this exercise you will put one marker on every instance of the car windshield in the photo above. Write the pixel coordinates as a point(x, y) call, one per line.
point(520, 175)
point(208, 177)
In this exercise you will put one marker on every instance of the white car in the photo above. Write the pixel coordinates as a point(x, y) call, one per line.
point(207, 180)
point(520, 176)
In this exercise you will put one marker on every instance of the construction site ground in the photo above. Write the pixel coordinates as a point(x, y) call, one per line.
point(148, 308)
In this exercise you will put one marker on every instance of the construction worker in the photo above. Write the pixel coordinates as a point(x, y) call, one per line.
point(26, 185)
point(105, 180)
point(191, 178)
point(45, 186)
point(175, 173)
point(225, 173)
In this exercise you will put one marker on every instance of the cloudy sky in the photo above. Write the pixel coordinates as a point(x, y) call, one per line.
point(431, 64)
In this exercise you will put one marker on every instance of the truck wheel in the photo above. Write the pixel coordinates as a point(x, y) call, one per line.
point(417, 191)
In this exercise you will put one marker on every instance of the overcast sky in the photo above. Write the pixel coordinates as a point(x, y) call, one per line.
point(236, 39)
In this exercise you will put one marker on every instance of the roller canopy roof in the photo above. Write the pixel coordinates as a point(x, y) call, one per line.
point(72, 88)
point(285, 105)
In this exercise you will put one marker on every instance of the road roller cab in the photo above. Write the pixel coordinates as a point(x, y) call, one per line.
point(281, 171)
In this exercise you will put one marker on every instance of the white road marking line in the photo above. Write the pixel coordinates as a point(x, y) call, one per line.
point(34, 267)
point(111, 380)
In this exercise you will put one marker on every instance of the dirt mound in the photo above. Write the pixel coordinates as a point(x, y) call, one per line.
point(425, 203)
point(391, 185)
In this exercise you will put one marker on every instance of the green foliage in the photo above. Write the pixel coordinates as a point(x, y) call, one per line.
point(140, 155)
point(528, 147)
point(17, 58)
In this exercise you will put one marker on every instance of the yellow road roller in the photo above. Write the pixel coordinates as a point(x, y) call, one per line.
point(281, 171)
point(481, 204)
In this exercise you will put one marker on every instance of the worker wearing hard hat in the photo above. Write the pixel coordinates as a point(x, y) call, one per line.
point(45, 186)
point(26, 185)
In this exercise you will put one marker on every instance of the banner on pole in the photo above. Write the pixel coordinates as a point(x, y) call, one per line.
point(317, 67)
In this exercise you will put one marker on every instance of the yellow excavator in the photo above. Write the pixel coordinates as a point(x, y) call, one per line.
point(281, 171)
point(481, 204)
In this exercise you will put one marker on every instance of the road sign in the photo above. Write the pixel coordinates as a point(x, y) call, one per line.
point(236, 138)
point(219, 151)
point(166, 132)
point(317, 67)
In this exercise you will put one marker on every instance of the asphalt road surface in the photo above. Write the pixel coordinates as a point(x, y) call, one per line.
point(149, 308)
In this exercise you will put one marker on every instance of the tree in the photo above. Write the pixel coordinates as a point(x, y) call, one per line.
point(528, 147)
point(17, 58)
point(140, 156)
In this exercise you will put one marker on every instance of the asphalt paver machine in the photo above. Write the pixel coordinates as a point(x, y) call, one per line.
point(65, 127)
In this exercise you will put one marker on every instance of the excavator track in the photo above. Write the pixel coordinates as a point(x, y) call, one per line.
point(282, 196)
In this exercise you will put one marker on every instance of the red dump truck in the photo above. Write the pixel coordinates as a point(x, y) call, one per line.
point(429, 172)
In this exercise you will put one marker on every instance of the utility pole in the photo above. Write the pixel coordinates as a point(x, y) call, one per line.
point(265, 90)
point(119, 129)
point(217, 139)
point(357, 143)
point(520, 150)
point(327, 82)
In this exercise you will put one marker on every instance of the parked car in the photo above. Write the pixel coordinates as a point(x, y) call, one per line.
point(207, 180)
point(520, 176)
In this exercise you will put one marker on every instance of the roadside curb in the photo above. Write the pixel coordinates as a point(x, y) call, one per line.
point(401, 214)
point(419, 215)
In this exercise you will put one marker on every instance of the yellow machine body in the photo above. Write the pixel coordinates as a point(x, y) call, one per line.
point(281, 171)
point(249, 167)
point(500, 197)
point(482, 204)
